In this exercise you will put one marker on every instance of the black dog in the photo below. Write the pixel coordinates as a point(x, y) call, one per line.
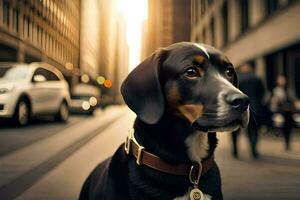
point(182, 95)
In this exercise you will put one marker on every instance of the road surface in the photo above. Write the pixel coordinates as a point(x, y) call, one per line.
point(50, 161)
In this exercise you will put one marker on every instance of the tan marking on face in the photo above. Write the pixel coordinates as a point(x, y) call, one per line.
point(191, 111)
point(173, 96)
point(199, 59)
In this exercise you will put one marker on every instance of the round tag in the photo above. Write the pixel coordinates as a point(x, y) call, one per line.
point(196, 194)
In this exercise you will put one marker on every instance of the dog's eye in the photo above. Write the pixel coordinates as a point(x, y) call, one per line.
point(229, 72)
point(192, 72)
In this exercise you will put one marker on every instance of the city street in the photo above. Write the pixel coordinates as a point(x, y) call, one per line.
point(52, 160)
point(207, 61)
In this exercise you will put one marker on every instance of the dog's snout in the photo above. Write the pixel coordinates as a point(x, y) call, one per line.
point(239, 102)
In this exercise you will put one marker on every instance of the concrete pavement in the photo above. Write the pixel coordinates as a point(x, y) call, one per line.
point(275, 175)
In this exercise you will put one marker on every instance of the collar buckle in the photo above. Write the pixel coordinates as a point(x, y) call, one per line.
point(195, 180)
point(128, 145)
point(128, 141)
point(139, 155)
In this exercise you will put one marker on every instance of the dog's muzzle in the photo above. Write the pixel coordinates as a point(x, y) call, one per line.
point(236, 116)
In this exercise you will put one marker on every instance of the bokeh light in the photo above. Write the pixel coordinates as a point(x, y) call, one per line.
point(93, 101)
point(85, 78)
point(107, 83)
point(69, 66)
point(85, 105)
point(100, 80)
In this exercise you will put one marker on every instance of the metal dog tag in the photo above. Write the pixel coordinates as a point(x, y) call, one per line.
point(196, 194)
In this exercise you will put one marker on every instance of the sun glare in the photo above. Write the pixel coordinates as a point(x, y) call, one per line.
point(135, 13)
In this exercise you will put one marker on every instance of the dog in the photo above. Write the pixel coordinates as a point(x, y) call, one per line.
point(182, 95)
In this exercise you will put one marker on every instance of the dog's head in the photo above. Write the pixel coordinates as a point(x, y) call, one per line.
point(193, 81)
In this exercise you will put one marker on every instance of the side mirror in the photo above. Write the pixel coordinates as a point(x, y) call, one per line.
point(39, 78)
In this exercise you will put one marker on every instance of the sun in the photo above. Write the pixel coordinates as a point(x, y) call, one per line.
point(135, 13)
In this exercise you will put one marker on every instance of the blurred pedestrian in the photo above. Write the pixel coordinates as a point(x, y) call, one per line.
point(251, 85)
point(283, 101)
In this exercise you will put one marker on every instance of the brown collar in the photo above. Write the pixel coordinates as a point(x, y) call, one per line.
point(143, 157)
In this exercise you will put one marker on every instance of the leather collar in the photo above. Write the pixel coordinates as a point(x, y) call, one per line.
point(143, 157)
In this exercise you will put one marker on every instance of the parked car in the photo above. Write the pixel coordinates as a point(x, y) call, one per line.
point(35, 89)
point(85, 99)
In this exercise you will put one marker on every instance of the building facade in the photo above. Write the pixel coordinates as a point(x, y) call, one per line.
point(265, 33)
point(41, 30)
point(113, 50)
point(169, 21)
point(90, 38)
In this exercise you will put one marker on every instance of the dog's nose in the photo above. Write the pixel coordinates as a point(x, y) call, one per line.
point(239, 102)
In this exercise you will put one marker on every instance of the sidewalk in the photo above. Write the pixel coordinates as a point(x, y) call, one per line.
point(275, 175)
point(269, 144)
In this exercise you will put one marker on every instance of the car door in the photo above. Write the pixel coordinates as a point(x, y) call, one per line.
point(53, 91)
point(39, 93)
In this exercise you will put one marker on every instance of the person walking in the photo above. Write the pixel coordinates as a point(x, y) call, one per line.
point(251, 85)
point(283, 102)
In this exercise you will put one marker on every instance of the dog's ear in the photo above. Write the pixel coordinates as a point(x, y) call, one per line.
point(235, 80)
point(142, 91)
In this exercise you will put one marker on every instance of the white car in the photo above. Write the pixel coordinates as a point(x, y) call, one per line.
point(34, 89)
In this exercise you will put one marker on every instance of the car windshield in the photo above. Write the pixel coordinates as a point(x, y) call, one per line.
point(80, 97)
point(13, 73)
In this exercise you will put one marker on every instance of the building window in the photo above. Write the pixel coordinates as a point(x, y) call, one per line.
point(34, 34)
point(25, 27)
point(244, 15)
point(212, 28)
point(50, 45)
point(16, 20)
point(204, 36)
point(225, 22)
point(6, 13)
point(203, 7)
point(31, 31)
point(271, 6)
point(41, 38)
point(210, 2)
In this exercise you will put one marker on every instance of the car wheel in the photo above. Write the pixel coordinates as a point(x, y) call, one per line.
point(63, 113)
point(22, 113)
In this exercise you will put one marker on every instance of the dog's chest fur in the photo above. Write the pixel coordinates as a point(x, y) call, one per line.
point(197, 146)
point(197, 149)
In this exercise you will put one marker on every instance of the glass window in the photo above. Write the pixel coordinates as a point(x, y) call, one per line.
point(244, 15)
point(16, 20)
point(50, 76)
point(271, 6)
point(225, 22)
point(6, 13)
point(13, 73)
point(212, 28)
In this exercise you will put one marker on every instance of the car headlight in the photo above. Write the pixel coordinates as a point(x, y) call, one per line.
point(85, 105)
point(93, 101)
point(6, 90)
